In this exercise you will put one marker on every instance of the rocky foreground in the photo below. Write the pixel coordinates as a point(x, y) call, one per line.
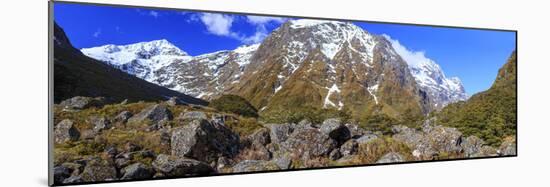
point(95, 142)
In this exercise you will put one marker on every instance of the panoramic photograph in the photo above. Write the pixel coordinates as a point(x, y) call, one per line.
point(146, 93)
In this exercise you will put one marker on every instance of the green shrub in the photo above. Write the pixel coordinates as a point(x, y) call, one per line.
point(234, 104)
point(295, 115)
point(244, 126)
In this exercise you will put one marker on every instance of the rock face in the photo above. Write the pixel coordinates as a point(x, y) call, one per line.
point(349, 148)
point(136, 171)
point(254, 165)
point(79, 103)
point(99, 123)
point(432, 140)
point(172, 166)
point(61, 173)
point(157, 114)
point(65, 131)
point(308, 143)
point(446, 139)
point(391, 157)
point(508, 147)
point(336, 130)
point(279, 132)
point(260, 137)
point(98, 170)
point(366, 138)
point(204, 141)
point(472, 146)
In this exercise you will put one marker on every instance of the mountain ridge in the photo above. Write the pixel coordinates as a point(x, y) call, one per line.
point(209, 75)
point(78, 75)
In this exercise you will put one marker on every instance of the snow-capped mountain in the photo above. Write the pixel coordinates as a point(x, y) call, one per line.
point(162, 63)
point(326, 64)
point(430, 77)
point(140, 59)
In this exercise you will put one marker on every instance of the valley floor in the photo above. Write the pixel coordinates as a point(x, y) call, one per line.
point(96, 142)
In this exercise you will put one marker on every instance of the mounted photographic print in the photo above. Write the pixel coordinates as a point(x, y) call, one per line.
point(143, 93)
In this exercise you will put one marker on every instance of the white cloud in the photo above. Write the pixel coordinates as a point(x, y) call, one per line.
point(220, 25)
point(261, 20)
point(217, 24)
point(257, 37)
point(154, 14)
point(413, 58)
point(97, 33)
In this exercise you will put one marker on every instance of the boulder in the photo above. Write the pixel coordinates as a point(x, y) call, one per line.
point(445, 139)
point(60, 173)
point(472, 146)
point(172, 166)
point(336, 130)
point(304, 124)
point(73, 179)
point(486, 151)
point(428, 143)
point(221, 118)
point(65, 131)
point(173, 101)
point(308, 143)
point(157, 114)
point(99, 123)
point(79, 103)
point(254, 165)
point(260, 137)
point(97, 170)
point(391, 157)
point(122, 117)
point(279, 132)
point(192, 115)
point(204, 141)
point(409, 136)
point(222, 163)
point(355, 130)
point(75, 168)
point(282, 160)
point(335, 154)
point(111, 151)
point(508, 147)
point(131, 147)
point(366, 138)
point(349, 148)
point(137, 171)
point(255, 152)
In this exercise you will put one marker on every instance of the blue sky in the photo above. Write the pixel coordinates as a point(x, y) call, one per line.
point(472, 55)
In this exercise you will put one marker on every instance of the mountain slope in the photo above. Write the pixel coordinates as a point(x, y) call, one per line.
point(492, 114)
point(328, 64)
point(78, 75)
point(430, 77)
point(162, 63)
point(303, 63)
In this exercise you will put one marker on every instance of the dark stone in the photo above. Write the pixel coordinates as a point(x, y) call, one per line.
point(137, 171)
point(65, 131)
point(98, 170)
point(336, 130)
point(391, 157)
point(172, 166)
point(79, 103)
point(204, 141)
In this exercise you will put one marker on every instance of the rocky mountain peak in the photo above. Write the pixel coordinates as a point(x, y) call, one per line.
point(329, 36)
point(430, 77)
